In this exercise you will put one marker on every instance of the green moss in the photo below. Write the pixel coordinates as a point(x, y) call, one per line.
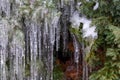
point(27, 70)
point(39, 66)
point(57, 73)
point(8, 64)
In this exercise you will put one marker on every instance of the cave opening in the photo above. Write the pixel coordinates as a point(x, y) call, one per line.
point(64, 61)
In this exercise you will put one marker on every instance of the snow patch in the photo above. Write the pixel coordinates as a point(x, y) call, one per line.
point(96, 6)
point(75, 20)
point(88, 30)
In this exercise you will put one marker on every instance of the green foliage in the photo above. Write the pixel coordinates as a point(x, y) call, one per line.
point(58, 73)
point(27, 69)
point(77, 33)
point(107, 8)
point(90, 58)
point(36, 9)
point(39, 66)
point(116, 32)
point(111, 69)
point(106, 73)
point(107, 21)
point(113, 54)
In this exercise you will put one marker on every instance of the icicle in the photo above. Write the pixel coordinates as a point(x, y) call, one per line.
point(62, 3)
point(65, 35)
point(4, 28)
point(64, 26)
point(17, 65)
point(5, 8)
point(33, 50)
point(52, 28)
point(76, 52)
point(39, 34)
point(72, 7)
point(45, 34)
point(57, 36)
point(84, 64)
point(55, 26)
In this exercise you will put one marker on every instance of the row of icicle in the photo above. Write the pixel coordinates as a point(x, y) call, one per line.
point(28, 33)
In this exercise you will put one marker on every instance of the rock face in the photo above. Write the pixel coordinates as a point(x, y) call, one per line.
point(30, 32)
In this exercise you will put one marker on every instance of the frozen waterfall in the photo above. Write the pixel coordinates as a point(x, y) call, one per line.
point(31, 31)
